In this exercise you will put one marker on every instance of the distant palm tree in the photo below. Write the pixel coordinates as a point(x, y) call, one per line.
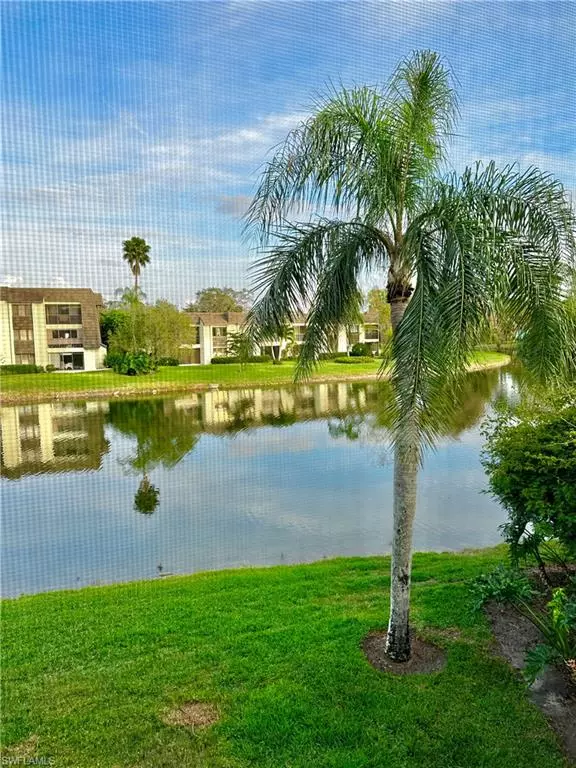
point(455, 252)
point(135, 252)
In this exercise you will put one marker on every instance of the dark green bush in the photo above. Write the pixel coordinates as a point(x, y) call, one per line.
point(233, 359)
point(330, 355)
point(353, 360)
point(530, 458)
point(21, 368)
point(113, 360)
point(361, 350)
point(50, 368)
point(134, 364)
point(168, 361)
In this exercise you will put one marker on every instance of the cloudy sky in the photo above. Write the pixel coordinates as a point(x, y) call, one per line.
point(153, 118)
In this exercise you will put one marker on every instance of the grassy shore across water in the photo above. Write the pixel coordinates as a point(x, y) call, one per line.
point(89, 385)
point(92, 676)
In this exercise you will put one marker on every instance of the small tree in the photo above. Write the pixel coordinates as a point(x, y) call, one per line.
point(135, 252)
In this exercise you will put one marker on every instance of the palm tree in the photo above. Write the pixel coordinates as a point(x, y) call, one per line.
point(135, 252)
point(455, 251)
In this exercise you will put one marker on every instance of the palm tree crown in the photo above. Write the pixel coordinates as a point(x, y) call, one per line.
point(135, 252)
point(454, 251)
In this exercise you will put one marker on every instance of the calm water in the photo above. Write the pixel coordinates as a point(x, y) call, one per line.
point(100, 492)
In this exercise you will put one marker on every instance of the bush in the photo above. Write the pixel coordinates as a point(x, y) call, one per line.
point(23, 368)
point(558, 626)
point(505, 585)
point(50, 368)
point(169, 361)
point(113, 360)
point(353, 360)
point(134, 364)
point(329, 355)
point(361, 350)
point(530, 458)
point(233, 359)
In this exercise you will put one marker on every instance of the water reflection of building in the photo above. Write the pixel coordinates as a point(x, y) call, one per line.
point(52, 437)
point(244, 407)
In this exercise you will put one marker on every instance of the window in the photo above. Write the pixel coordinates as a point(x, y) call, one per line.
point(70, 333)
point(24, 334)
point(371, 333)
point(21, 310)
point(219, 337)
point(57, 314)
point(24, 359)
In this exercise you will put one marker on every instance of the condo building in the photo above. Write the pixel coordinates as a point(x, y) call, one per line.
point(51, 326)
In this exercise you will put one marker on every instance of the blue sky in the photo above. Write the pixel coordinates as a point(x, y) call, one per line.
point(153, 118)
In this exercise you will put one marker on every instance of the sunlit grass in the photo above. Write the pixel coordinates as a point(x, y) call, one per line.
point(90, 673)
point(184, 377)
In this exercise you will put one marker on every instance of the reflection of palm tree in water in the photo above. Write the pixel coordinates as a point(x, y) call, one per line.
point(164, 435)
point(147, 497)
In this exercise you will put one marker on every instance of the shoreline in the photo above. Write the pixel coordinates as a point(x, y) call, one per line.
point(156, 388)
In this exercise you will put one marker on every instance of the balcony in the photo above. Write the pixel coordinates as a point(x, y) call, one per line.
point(64, 338)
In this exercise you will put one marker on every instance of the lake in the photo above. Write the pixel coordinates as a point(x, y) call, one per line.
point(110, 491)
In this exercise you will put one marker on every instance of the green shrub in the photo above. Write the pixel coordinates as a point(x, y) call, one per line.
point(233, 359)
point(330, 355)
point(505, 585)
point(558, 626)
point(353, 360)
point(530, 458)
point(168, 361)
point(21, 368)
point(51, 368)
point(361, 350)
point(113, 360)
point(134, 363)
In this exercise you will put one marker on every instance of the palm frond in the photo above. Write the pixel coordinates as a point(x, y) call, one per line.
point(313, 270)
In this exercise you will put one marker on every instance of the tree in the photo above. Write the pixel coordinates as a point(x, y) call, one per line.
point(220, 300)
point(135, 252)
point(378, 302)
point(157, 330)
point(455, 250)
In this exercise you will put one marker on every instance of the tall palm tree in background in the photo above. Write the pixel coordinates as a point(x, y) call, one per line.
point(453, 250)
point(135, 252)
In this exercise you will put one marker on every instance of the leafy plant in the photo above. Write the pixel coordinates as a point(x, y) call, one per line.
point(134, 363)
point(530, 458)
point(353, 360)
point(169, 361)
point(361, 350)
point(505, 585)
point(21, 368)
point(558, 626)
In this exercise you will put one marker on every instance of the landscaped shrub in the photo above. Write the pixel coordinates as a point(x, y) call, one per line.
point(169, 361)
point(530, 458)
point(354, 360)
point(361, 350)
point(23, 368)
point(134, 364)
point(113, 360)
point(505, 585)
point(50, 368)
point(233, 359)
point(558, 627)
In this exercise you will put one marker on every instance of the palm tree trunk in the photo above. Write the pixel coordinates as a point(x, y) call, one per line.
point(405, 484)
point(136, 283)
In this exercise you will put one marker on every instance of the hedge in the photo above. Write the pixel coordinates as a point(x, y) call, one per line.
point(22, 368)
point(232, 359)
point(354, 360)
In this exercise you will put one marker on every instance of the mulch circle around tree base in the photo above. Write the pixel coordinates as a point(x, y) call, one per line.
point(424, 658)
point(192, 714)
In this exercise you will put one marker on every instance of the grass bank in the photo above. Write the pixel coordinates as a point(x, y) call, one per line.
point(65, 386)
point(89, 675)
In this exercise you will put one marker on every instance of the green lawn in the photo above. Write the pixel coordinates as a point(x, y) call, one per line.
point(88, 674)
point(181, 378)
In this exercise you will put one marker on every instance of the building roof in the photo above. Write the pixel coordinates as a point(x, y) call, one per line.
point(39, 295)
